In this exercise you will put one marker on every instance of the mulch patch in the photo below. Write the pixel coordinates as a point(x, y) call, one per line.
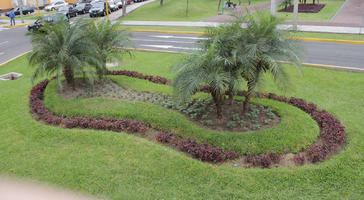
point(305, 8)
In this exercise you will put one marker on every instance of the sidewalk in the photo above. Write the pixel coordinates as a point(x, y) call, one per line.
point(304, 28)
point(239, 11)
point(351, 12)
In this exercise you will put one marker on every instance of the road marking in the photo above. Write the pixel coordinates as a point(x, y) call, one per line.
point(179, 37)
point(1, 43)
point(1, 53)
point(171, 41)
point(170, 47)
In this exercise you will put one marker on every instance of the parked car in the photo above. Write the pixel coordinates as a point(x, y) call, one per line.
point(98, 9)
point(139, 0)
point(113, 6)
point(47, 19)
point(69, 11)
point(83, 8)
point(26, 10)
point(55, 5)
point(119, 3)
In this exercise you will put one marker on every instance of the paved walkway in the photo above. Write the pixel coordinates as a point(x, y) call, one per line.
point(238, 11)
point(352, 12)
point(11, 189)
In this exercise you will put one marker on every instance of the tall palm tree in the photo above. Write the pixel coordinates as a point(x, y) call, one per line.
point(63, 49)
point(110, 42)
point(260, 50)
point(200, 69)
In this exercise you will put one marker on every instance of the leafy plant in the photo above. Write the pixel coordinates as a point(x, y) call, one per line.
point(236, 117)
point(231, 124)
point(209, 122)
point(64, 49)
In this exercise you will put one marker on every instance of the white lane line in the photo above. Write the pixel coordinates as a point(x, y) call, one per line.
point(1, 43)
point(1, 53)
point(170, 47)
point(171, 41)
point(180, 37)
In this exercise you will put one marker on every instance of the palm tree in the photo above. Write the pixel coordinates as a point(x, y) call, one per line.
point(63, 49)
point(260, 50)
point(223, 40)
point(200, 69)
point(110, 42)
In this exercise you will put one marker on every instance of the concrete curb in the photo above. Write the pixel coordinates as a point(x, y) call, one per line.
point(292, 38)
point(19, 25)
point(20, 55)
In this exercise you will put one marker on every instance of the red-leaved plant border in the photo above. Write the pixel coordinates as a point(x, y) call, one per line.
point(332, 132)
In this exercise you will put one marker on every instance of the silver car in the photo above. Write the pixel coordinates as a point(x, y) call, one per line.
point(55, 5)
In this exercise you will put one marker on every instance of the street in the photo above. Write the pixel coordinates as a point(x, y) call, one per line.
point(13, 42)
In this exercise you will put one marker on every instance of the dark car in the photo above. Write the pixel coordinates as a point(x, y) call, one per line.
point(98, 9)
point(26, 10)
point(83, 8)
point(69, 11)
point(47, 19)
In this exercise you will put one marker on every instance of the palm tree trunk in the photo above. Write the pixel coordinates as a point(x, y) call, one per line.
point(68, 74)
point(231, 97)
point(218, 103)
point(247, 98)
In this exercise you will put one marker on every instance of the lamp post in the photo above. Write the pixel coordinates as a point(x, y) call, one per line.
point(38, 8)
point(295, 14)
point(20, 4)
point(107, 9)
point(273, 7)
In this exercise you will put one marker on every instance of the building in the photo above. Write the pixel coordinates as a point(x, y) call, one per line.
point(8, 4)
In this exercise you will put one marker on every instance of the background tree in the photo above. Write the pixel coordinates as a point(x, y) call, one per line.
point(260, 50)
point(161, 3)
point(286, 3)
point(64, 49)
point(110, 42)
point(197, 70)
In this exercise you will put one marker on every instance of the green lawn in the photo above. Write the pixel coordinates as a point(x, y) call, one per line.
point(175, 10)
point(295, 132)
point(34, 15)
point(122, 166)
point(324, 15)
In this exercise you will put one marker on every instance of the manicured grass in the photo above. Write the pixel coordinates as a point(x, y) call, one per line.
point(175, 10)
point(121, 166)
point(34, 15)
point(295, 132)
point(324, 15)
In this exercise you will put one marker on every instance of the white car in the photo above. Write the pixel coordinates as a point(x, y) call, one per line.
point(119, 3)
point(55, 5)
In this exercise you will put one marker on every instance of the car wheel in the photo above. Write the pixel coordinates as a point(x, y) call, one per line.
point(52, 9)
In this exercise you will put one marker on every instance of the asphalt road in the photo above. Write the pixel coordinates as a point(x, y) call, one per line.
point(13, 43)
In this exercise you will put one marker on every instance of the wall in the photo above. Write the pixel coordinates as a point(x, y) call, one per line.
point(5, 4)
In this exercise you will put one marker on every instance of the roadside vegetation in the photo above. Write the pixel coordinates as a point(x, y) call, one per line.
point(68, 154)
point(175, 10)
point(324, 15)
point(164, 126)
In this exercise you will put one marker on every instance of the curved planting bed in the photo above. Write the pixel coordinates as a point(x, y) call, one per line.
point(332, 134)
